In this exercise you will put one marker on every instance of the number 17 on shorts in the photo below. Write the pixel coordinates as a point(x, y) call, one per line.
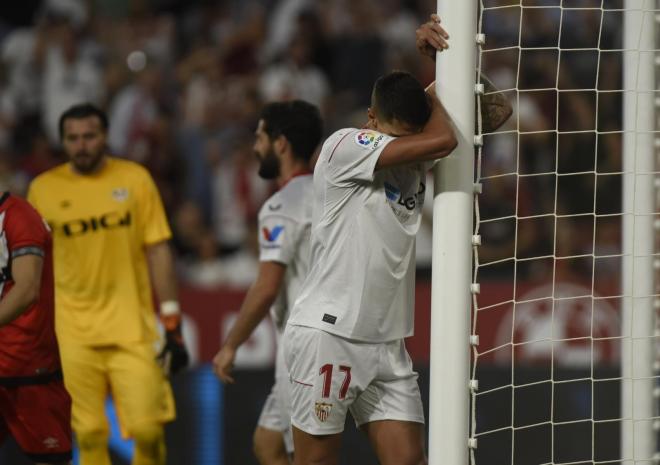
point(323, 407)
point(321, 377)
point(331, 375)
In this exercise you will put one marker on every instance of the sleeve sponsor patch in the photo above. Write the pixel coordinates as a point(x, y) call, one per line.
point(368, 139)
point(278, 239)
point(272, 235)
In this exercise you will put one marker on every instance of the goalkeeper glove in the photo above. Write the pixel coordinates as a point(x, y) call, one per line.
point(174, 356)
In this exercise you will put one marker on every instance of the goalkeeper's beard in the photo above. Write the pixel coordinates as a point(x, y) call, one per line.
point(86, 162)
point(269, 165)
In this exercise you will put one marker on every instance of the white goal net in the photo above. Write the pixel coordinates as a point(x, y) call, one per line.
point(564, 370)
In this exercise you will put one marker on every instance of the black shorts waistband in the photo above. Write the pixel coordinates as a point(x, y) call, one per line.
point(16, 381)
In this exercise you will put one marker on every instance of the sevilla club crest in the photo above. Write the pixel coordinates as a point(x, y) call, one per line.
point(322, 410)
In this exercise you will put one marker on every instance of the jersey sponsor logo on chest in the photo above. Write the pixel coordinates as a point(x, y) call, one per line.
point(111, 220)
point(394, 195)
point(120, 194)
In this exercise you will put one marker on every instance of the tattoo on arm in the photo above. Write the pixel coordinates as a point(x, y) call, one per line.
point(495, 107)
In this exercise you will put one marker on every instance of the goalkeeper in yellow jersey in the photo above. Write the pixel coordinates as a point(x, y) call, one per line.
point(109, 233)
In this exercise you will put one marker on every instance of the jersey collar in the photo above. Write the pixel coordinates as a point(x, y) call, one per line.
point(304, 172)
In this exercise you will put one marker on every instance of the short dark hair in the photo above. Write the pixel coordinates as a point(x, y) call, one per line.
point(400, 96)
point(299, 121)
point(83, 110)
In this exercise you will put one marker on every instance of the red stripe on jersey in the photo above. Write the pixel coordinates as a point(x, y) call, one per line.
point(304, 384)
point(340, 141)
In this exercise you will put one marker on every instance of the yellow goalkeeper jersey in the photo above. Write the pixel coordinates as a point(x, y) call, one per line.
point(101, 224)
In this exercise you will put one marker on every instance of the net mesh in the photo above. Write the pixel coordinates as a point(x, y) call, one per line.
point(547, 371)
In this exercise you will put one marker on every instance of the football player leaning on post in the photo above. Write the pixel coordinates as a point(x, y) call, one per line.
point(344, 341)
point(110, 234)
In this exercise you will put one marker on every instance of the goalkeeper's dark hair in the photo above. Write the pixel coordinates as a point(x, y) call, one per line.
point(80, 111)
point(299, 121)
point(399, 97)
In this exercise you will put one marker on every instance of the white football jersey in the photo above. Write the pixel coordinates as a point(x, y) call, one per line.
point(361, 283)
point(284, 229)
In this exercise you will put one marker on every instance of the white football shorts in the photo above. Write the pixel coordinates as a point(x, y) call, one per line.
point(276, 413)
point(331, 375)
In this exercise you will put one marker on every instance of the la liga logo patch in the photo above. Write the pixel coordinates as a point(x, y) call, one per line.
point(368, 139)
point(365, 138)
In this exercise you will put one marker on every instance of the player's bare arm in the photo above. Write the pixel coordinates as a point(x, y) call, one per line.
point(495, 107)
point(258, 300)
point(437, 139)
point(26, 274)
point(161, 264)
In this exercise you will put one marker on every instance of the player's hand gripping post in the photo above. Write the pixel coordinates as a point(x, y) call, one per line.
point(431, 37)
point(495, 107)
point(174, 355)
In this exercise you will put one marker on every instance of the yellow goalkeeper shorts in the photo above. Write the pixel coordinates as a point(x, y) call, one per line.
point(129, 373)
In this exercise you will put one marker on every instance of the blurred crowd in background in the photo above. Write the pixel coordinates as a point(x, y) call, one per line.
point(183, 82)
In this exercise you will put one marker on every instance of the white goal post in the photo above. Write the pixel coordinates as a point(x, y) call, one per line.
point(452, 232)
point(638, 439)
point(544, 328)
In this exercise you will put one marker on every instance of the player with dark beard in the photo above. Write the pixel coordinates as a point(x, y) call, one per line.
point(285, 140)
